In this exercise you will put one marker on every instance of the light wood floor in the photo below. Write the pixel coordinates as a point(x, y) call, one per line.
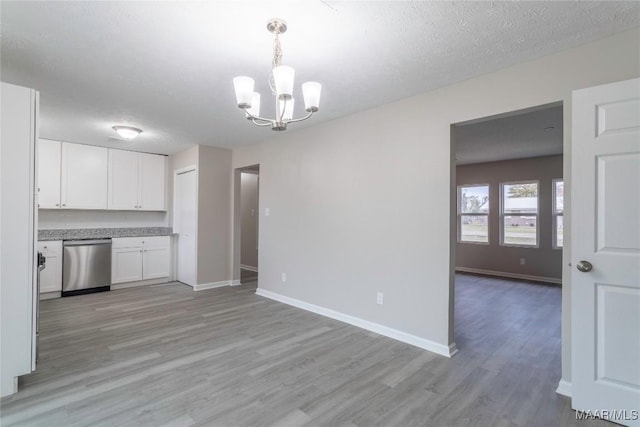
point(165, 355)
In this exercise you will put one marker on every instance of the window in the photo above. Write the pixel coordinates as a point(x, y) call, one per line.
point(519, 214)
point(473, 213)
point(558, 210)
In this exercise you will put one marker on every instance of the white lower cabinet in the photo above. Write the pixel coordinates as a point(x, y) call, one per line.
point(139, 258)
point(51, 276)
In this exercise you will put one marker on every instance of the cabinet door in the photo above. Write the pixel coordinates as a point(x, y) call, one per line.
point(49, 157)
point(84, 176)
point(51, 276)
point(123, 180)
point(152, 182)
point(126, 265)
point(156, 257)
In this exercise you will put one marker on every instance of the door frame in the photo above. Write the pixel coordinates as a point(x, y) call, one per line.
point(174, 251)
point(237, 220)
point(564, 387)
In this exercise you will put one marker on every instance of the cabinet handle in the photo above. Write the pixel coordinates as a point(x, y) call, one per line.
point(57, 204)
point(64, 204)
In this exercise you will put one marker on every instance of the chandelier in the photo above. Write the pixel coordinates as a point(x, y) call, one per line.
point(281, 83)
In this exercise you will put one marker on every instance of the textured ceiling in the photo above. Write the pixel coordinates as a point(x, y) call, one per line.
point(167, 67)
point(518, 135)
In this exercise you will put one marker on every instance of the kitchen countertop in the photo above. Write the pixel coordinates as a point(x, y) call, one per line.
point(102, 233)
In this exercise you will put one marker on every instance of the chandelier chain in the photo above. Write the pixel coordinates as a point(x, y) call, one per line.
point(277, 53)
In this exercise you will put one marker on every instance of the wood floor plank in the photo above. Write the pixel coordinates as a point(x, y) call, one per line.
point(164, 355)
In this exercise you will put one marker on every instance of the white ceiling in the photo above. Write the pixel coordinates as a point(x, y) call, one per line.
point(517, 135)
point(167, 67)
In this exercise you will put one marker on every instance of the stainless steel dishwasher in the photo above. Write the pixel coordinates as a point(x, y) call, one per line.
point(86, 266)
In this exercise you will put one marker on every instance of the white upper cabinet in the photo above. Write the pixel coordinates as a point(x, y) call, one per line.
point(151, 182)
point(49, 158)
point(84, 176)
point(136, 181)
point(123, 180)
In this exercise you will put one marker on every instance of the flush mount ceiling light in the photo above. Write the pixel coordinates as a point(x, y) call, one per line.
point(281, 83)
point(127, 132)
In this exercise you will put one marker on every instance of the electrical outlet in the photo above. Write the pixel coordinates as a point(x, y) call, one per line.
point(522, 261)
point(380, 298)
point(267, 211)
point(284, 277)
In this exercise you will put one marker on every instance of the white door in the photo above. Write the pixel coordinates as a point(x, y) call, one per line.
point(126, 265)
point(185, 225)
point(152, 182)
point(123, 180)
point(605, 206)
point(49, 154)
point(84, 176)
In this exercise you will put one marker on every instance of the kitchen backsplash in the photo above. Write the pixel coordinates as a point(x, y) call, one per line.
point(74, 219)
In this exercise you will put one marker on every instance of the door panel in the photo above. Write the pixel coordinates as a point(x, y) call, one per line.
point(155, 262)
point(152, 182)
point(49, 156)
point(84, 176)
point(126, 265)
point(123, 180)
point(606, 232)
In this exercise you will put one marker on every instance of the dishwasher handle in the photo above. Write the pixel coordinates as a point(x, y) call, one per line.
point(86, 242)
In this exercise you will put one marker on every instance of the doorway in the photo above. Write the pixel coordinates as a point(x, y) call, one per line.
point(507, 229)
point(247, 224)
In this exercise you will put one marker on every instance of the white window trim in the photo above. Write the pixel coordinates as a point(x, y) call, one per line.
point(460, 214)
point(555, 215)
point(502, 215)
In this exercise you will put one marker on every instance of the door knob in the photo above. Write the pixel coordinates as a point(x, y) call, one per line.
point(584, 266)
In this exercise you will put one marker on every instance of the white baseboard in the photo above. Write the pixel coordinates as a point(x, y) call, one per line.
point(212, 285)
point(510, 275)
point(235, 282)
point(147, 282)
point(564, 388)
point(50, 295)
point(248, 267)
point(423, 343)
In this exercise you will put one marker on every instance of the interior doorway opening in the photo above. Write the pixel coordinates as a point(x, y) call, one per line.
point(507, 229)
point(247, 224)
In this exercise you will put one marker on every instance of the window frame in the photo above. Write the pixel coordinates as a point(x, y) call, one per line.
point(460, 214)
point(502, 214)
point(555, 214)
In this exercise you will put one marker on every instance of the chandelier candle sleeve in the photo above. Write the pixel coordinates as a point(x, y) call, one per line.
point(284, 77)
point(288, 109)
point(311, 93)
point(244, 91)
point(255, 106)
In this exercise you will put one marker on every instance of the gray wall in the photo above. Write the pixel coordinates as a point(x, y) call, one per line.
point(214, 208)
point(543, 261)
point(249, 218)
point(359, 207)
